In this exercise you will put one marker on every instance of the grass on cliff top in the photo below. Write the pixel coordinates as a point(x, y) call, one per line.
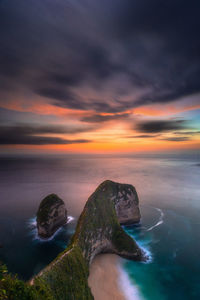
point(99, 215)
point(67, 279)
point(12, 288)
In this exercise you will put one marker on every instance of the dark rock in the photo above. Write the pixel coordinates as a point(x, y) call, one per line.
point(126, 203)
point(51, 215)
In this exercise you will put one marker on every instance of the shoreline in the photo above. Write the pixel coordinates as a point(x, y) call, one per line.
point(104, 278)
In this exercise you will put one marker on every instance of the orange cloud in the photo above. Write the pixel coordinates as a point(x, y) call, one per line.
point(105, 147)
point(41, 108)
point(163, 110)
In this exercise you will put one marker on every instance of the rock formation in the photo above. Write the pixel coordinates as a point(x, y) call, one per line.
point(126, 203)
point(98, 231)
point(51, 215)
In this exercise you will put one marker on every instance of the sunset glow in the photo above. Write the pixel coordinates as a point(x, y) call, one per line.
point(106, 88)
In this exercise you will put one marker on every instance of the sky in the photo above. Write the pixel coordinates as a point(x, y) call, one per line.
point(99, 76)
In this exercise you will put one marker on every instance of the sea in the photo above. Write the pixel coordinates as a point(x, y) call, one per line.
point(168, 187)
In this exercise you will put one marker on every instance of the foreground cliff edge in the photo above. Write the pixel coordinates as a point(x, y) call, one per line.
point(98, 231)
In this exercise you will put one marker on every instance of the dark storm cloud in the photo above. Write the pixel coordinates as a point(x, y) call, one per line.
point(62, 79)
point(54, 48)
point(47, 129)
point(142, 136)
point(187, 132)
point(27, 135)
point(39, 140)
point(176, 139)
point(61, 96)
point(160, 126)
point(104, 118)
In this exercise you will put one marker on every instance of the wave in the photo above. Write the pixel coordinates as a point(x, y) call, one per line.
point(129, 289)
point(70, 219)
point(143, 243)
point(32, 224)
point(160, 221)
point(147, 253)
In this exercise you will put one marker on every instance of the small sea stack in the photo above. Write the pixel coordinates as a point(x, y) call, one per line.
point(51, 215)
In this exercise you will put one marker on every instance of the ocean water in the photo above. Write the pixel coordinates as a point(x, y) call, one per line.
point(169, 232)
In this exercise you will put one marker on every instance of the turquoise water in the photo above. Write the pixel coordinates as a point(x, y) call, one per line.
point(173, 245)
point(169, 231)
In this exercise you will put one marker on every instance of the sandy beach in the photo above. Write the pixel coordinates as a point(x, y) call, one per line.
point(103, 279)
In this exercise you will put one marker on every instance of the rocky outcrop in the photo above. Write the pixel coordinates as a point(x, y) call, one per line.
point(98, 231)
point(51, 215)
point(126, 203)
point(99, 224)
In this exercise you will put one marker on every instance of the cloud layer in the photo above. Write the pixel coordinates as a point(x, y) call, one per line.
point(157, 126)
point(132, 52)
point(100, 64)
point(32, 135)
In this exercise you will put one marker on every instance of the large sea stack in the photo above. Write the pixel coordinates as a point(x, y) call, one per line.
point(51, 215)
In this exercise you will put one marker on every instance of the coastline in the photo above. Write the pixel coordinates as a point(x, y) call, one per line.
point(104, 278)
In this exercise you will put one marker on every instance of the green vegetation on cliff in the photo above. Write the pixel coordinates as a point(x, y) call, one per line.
point(99, 221)
point(67, 276)
point(12, 288)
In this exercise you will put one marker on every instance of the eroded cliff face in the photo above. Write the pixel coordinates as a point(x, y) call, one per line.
point(98, 231)
point(51, 215)
point(126, 203)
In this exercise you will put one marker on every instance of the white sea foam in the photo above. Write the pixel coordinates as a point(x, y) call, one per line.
point(70, 219)
point(32, 224)
point(129, 289)
point(160, 221)
point(144, 245)
point(147, 253)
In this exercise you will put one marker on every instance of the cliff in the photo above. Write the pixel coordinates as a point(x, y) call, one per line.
point(98, 231)
point(51, 215)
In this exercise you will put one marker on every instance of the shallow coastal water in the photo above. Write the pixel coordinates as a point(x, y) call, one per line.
point(169, 194)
